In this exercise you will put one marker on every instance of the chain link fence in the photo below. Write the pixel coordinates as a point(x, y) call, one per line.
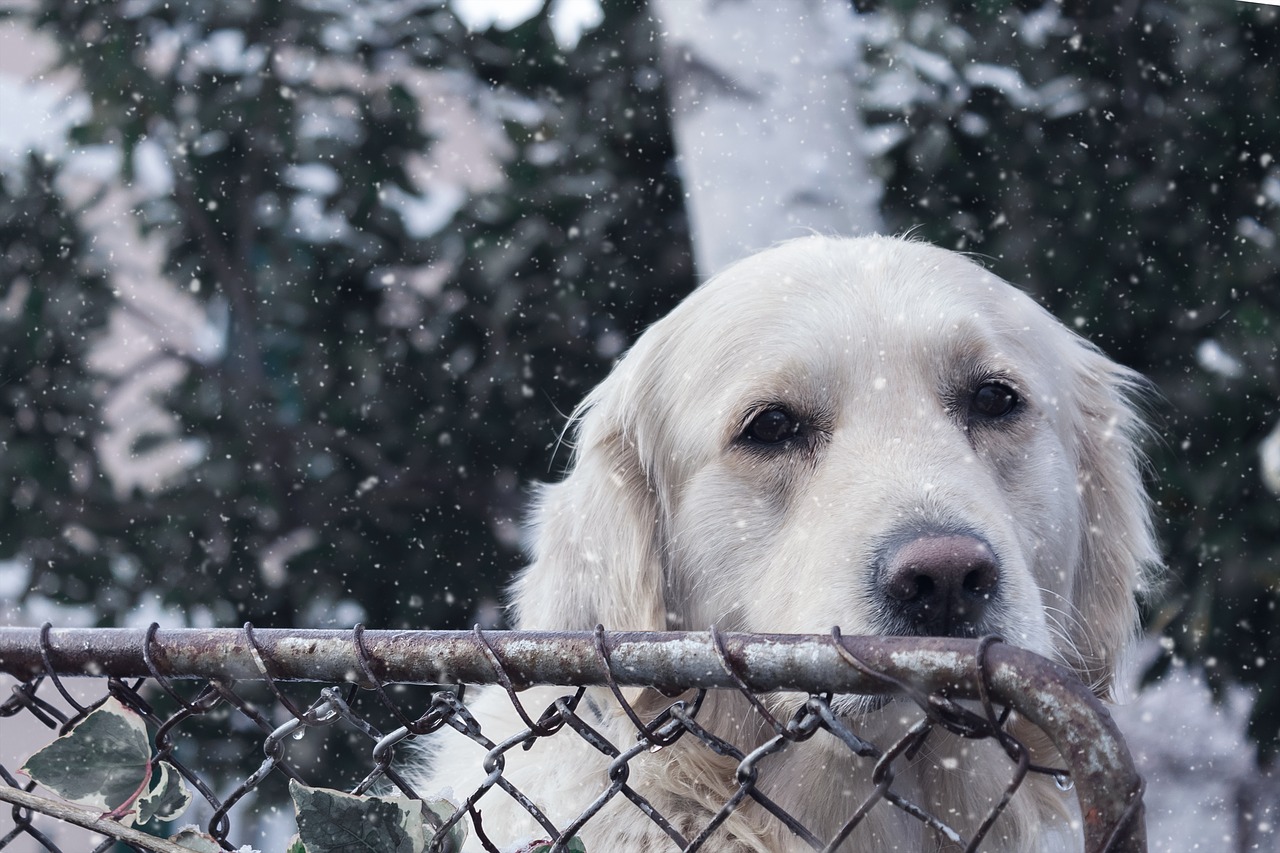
point(246, 690)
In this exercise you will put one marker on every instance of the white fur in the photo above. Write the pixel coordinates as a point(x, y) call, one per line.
point(666, 522)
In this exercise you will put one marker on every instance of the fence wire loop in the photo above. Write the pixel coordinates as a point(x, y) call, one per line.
point(729, 667)
point(265, 672)
point(421, 726)
point(161, 679)
point(52, 672)
point(23, 697)
point(550, 720)
point(790, 689)
point(652, 732)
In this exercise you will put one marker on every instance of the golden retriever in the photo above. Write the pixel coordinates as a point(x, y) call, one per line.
point(868, 433)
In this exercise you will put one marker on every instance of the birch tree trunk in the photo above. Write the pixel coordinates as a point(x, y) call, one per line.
point(766, 121)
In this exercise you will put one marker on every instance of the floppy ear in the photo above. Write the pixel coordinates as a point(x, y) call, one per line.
point(595, 535)
point(1119, 555)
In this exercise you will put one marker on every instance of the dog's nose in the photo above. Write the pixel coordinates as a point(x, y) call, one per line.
point(941, 585)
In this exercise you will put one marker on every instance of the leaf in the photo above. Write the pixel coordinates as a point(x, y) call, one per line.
point(103, 763)
point(295, 846)
point(441, 809)
point(168, 797)
point(333, 822)
point(193, 839)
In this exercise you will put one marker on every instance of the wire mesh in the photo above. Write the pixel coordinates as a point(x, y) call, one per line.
point(245, 685)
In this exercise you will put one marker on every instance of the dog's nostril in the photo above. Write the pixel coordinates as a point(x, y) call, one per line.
point(909, 585)
point(981, 580)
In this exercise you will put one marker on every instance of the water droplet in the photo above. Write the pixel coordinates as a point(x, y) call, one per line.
point(300, 733)
point(1063, 781)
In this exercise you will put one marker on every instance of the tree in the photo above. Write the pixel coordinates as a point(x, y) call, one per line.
point(386, 355)
point(767, 122)
point(51, 306)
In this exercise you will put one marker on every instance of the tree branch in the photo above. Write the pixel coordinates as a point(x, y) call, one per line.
point(88, 819)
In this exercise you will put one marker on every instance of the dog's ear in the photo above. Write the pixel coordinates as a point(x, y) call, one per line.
point(1119, 555)
point(596, 555)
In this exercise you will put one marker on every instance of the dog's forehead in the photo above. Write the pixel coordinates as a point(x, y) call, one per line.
point(862, 282)
point(816, 297)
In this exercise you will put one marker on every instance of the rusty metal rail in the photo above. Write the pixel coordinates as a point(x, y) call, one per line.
point(928, 669)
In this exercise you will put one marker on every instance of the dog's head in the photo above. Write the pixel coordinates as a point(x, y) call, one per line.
point(871, 433)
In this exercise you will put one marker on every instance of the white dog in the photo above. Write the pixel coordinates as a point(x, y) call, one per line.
point(869, 433)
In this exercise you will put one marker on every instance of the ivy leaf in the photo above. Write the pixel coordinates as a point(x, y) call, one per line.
point(193, 839)
point(334, 822)
point(437, 811)
point(168, 797)
point(103, 763)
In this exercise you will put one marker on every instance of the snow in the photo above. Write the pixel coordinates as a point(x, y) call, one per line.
point(503, 14)
point(15, 578)
point(44, 116)
point(1203, 789)
point(1255, 232)
point(1037, 25)
point(929, 65)
point(315, 178)
point(570, 19)
point(313, 224)
point(1062, 97)
point(1269, 458)
point(426, 214)
point(1271, 189)
point(1212, 357)
point(152, 174)
point(225, 51)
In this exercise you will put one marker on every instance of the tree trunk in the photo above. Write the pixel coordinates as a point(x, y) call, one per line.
point(767, 123)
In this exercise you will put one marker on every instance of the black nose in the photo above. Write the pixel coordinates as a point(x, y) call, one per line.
point(940, 585)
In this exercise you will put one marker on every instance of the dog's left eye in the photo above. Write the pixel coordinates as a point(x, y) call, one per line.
point(772, 426)
point(993, 400)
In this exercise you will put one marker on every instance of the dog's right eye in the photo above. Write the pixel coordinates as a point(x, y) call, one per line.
point(994, 400)
point(772, 426)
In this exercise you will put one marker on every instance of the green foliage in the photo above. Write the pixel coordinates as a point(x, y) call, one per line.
point(201, 842)
point(331, 821)
point(105, 763)
point(1131, 182)
point(52, 304)
point(168, 797)
point(387, 358)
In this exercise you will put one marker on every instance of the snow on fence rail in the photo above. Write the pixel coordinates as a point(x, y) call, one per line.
point(140, 684)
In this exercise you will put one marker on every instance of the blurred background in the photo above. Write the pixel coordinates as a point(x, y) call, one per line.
point(295, 296)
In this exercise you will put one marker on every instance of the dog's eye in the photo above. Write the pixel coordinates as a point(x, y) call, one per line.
point(993, 400)
point(772, 426)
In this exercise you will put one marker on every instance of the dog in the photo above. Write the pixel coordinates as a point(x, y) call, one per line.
point(870, 433)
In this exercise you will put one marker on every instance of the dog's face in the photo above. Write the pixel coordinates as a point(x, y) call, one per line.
point(871, 433)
